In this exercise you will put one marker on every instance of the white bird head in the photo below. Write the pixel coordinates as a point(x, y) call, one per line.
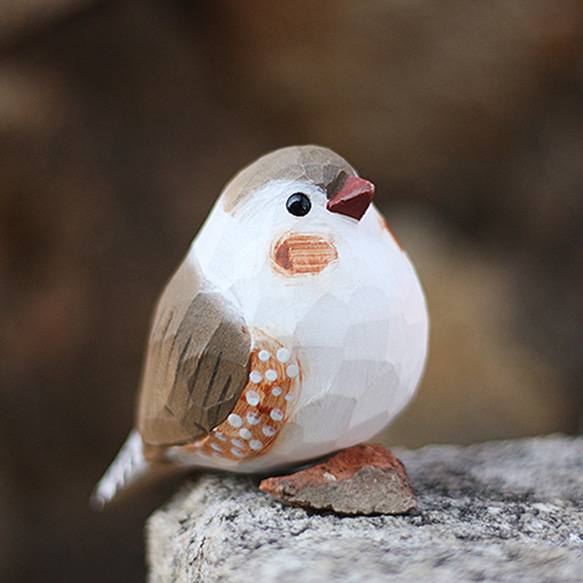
point(293, 210)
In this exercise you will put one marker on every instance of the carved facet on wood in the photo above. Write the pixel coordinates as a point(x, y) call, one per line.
point(295, 326)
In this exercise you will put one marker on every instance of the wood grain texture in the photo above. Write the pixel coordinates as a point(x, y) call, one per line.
point(301, 254)
point(196, 364)
point(262, 411)
point(312, 163)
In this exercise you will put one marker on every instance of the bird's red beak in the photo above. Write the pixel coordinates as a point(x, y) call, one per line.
point(352, 198)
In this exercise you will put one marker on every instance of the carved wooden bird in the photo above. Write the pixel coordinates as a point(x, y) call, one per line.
point(296, 326)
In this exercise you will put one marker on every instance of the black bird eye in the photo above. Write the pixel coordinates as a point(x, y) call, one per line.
point(298, 204)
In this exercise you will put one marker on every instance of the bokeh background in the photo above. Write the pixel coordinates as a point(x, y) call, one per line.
point(121, 120)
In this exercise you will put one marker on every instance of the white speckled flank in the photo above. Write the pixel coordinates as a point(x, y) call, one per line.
point(292, 371)
point(234, 420)
point(264, 355)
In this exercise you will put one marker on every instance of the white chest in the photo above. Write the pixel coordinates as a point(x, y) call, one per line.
point(358, 329)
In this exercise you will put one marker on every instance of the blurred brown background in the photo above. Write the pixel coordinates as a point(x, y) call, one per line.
point(121, 120)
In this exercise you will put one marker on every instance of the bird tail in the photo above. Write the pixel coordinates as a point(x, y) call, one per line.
point(128, 467)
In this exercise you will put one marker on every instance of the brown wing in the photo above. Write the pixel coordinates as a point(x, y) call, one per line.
point(197, 363)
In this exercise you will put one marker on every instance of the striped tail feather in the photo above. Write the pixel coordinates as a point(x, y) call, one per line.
point(127, 468)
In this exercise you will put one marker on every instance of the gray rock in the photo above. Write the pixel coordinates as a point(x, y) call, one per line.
point(499, 511)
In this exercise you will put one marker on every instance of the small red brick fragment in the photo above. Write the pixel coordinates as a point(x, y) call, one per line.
point(364, 479)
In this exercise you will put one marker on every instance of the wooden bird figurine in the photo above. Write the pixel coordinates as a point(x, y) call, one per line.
point(296, 326)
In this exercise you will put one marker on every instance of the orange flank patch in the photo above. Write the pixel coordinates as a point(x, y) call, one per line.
point(301, 254)
point(261, 412)
point(387, 228)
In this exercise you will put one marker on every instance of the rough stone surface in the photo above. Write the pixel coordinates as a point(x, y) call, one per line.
point(364, 479)
point(499, 511)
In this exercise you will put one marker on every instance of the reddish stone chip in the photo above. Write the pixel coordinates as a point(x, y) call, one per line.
point(364, 479)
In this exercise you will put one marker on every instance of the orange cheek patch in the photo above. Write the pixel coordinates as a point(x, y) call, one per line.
point(299, 254)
